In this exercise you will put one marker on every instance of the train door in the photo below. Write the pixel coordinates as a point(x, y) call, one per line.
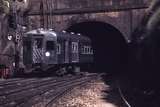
point(50, 54)
point(75, 55)
point(27, 51)
point(66, 52)
point(37, 50)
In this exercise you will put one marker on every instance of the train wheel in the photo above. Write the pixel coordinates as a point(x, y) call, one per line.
point(76, 70)
point(69, 69)
point(61, 72)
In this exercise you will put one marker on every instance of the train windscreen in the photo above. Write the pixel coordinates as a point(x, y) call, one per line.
point(38, 43)
point(50, 45)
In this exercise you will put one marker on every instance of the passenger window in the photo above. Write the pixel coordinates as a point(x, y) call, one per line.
point(58, 48)
point(92, 51)
point(85, 49)
point(82, 51)
point(74, 47)
point(88, 49)
point(50, 45)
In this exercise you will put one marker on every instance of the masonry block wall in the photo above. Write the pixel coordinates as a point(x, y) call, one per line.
point(125, 15)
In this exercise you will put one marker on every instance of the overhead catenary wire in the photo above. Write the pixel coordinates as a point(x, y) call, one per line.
point(50, 9)
point(42, 14)
point(46, 9)
point(49, 5)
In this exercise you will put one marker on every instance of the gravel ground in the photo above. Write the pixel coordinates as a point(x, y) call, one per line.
point(90, 95)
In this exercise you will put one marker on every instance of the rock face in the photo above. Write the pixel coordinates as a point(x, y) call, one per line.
point(4, 11)
point(4, 7)
point(7, 9)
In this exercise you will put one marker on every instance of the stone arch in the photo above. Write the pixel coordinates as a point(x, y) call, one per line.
point(110, 46)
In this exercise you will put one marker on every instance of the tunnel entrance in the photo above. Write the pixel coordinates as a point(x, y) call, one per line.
point(110, 47)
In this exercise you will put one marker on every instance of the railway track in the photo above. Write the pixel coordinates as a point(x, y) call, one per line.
point(29, 92)
point(64, 90)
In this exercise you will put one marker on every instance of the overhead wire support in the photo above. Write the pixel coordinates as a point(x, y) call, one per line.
point(48, 14)
point(50, 9)
point(42, 14)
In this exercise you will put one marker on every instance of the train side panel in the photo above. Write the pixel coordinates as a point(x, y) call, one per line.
point(86, 52)
point(61, 51)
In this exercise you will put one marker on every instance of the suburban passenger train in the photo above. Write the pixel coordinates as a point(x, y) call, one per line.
point(43, 48)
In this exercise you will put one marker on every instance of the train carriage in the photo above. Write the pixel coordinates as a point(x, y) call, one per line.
point(42, 48)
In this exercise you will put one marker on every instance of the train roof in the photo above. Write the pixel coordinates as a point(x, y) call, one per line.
point(61, 35)
point(42, 32)
point(73, 36)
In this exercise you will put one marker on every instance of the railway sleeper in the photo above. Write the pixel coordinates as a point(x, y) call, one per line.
point(33, 85)
point(26, 94)
point(51, 94)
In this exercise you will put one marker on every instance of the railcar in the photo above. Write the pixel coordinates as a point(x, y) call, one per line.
point(44, 48)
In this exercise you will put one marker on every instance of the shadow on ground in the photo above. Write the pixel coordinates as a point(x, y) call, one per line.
point(139, 89)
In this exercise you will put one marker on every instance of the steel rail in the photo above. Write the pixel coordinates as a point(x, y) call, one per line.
point(41, 83)
point(122, 95)
point(17, 96)
point(69, 88)
point(46, 93)
point(21, 84)
point(11, 82)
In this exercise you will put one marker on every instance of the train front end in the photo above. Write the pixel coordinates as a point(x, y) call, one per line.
point(39, 49)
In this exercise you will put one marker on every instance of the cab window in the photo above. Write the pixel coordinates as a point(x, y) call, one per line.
point(50, 45)
point(38, 43)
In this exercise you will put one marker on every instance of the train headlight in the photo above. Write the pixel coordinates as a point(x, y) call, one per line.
point(9, 37)
point(47, 54)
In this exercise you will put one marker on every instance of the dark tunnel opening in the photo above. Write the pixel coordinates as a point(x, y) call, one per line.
point(110, 47)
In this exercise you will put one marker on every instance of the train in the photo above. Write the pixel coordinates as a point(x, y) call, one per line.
point(45, 48)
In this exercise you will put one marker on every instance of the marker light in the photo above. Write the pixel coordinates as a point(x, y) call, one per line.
point(78, 34)
point(72, 33)
point(64, 31)
point(14, 64)
point(47, 54)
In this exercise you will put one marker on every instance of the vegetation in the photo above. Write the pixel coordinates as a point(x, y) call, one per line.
point(4, 6)
point(4, 12)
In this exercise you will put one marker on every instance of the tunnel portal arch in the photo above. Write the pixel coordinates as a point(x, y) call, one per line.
point(110, 46)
